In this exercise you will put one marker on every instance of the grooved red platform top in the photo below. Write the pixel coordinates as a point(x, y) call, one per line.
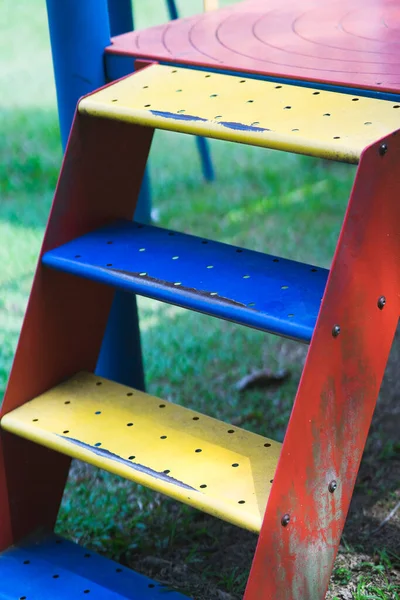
point(344, 42)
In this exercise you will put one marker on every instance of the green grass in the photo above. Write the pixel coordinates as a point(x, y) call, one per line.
point(283, 204)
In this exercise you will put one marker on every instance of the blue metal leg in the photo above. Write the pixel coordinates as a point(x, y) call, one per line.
point(79, 32)
point(173, 11)
point(206, 161)
point(121, 16)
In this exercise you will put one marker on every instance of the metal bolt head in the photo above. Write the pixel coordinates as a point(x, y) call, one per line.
point(383, 149)
point(381, 302)
point(335, 330)
point(332, 486)
point(285, 520)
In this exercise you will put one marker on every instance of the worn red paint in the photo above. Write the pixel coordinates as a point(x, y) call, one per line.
point(99, 181)
point(337, 393)
point(315, 40)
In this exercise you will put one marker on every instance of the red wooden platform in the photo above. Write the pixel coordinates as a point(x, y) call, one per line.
point(353, 43)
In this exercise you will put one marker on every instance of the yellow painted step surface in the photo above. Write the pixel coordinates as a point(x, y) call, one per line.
point(262, 113)
point(220, 469)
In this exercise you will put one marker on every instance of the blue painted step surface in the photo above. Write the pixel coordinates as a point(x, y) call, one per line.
point(251, 288)
point(51, 568)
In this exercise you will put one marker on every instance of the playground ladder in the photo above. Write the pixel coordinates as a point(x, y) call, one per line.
point(295, 495)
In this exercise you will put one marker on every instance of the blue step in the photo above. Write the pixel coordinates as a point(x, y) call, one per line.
point(251, 288)
point(50, 568)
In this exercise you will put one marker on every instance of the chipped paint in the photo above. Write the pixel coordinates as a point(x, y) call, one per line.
point(161, 282)
point(104, 453)
point(337, 394)
point(176, 116)
point(242, 126)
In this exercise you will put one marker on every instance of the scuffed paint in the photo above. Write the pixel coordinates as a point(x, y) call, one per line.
point(104, 453)
point(169, 284)
point(176, 116)
point(242, 127)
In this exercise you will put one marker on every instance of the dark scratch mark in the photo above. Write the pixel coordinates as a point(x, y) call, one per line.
point(242, 126)
point(176, 116)
point(104, 453)
point(169, 284)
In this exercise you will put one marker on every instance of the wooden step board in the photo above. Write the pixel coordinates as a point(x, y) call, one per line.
point(287, 117)
point(52, 568)
point(218, 468)
point(251, 288)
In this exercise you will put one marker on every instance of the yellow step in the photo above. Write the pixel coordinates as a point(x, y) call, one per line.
point(220, 469)
point(309, 121)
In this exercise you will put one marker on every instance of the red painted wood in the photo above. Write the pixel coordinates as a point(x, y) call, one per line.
point(337, 393)
point(346, 42)
point(66, 316)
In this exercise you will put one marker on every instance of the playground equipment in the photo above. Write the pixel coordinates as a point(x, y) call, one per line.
point(296, 494)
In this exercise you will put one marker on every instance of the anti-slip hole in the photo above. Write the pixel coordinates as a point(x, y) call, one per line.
point(235, 465)
point(231, 431)
point(129, 424)
point(267, 445)
point(66, 431)
point(167, 471)
point(132, 457)
point(98, 412)
point(163, 437)
point(97, 444)
point(203, 485)
point(242, 502)
point(99, 382)
point(129, 394)
point(195, 418)
point(161, 406)
point(198, 450)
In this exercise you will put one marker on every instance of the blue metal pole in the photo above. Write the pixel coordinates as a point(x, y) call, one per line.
point(79, 32)
point(173, 11)
point(121, 16)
